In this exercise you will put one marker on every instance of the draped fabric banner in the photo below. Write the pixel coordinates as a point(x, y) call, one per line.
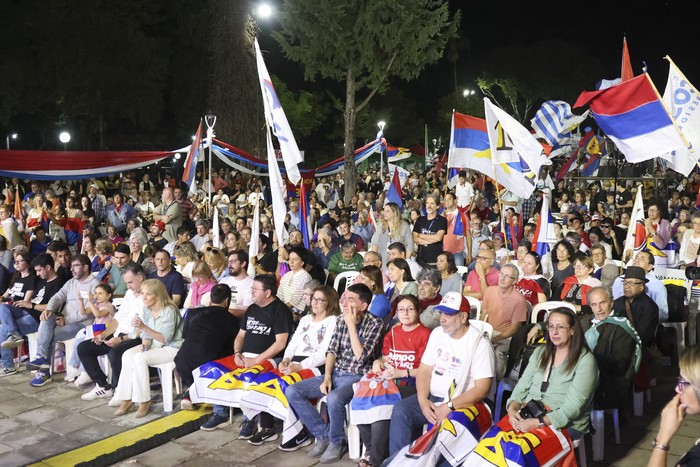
point(223, 382)
point(73, 165)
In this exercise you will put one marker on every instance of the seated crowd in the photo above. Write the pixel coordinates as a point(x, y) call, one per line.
point(398, 325)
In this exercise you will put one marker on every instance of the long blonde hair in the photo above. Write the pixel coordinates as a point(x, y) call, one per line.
point(156, 287)
point(395, 228)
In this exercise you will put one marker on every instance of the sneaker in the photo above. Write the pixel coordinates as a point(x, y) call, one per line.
point(319, 448)
point(248, 428)
point(72, 373)
point(97, 393)
point(263, 436)
point(39, 363)
point(7, 371)
point(186, 404)
point(84, 379)
point(114, 402)
point(334, 453)
point(299, 441)
point(41, 378)
point(12, 341)
point(215, 421)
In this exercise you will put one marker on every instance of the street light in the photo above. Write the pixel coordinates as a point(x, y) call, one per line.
point(468, 92)
point(264, 11)
point(64, 137)
point(9, 137)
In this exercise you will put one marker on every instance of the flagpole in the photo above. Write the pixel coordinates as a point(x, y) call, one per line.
point(210, 120)
point(685, 141)
point(500, 208)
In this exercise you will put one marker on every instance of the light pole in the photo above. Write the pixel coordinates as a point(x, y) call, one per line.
point(64, 137)
point(9, 137)
point(381, 124)
point(264, 11)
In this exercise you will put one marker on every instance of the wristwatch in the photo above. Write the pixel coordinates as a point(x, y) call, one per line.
point(451, 406)
point(542, 423)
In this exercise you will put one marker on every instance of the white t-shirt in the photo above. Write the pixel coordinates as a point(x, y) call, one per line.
point(130, 307)
point(241, 296)
point(447, 356)
point(464, 194)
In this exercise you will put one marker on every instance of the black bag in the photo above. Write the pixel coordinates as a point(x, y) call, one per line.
point(533, 409)
point(678, 311)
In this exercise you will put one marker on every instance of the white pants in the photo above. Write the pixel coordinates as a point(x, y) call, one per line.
point(134, 381)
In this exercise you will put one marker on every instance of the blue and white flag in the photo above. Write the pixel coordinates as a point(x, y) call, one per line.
point(554, 121)
point(683, 102)
point(277, 121)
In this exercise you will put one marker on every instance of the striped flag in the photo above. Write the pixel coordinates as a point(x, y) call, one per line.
point(393, 195)
point(545, 236)
point(626, 72)
point(304, 221)
point(370, 219)
point(190, 169)
point(554, 121)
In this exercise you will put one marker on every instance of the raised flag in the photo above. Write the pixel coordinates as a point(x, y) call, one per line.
point(216, 233)
point(636, 232)
point(277, 121)
point(393, 194)
point(683, 102)
point(403, 173)
point(190, 169)
point(545, 235)
point(304, 215)
point(277, 189)
point(626, 72)
point(394, 154)
point(634, 118)
point(586, 157)
point(508, 139)
point(371, 220)
point(554, 121)
point(469, 144)
point(254, 245)
point(459, 223)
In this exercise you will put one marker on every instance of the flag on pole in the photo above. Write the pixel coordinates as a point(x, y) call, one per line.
point(469, 145)
point(190, 169)
point(304, 221)
point(545, 235)
point(370, 219)
point(626, 72)
point(216, 235)
point(393, 195)
point(253, 247)
point(682, 99)
point(277, 120)
point(554, 121)
point(634, 118)
point(586, 157)
point(459, 223)
point(636, 232)
point(277, 189)
point(508, 139)
point(403, 173)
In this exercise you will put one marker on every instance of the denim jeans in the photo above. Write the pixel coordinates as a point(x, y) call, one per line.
point(14, 320)
point(459, 258)
point(407, 422)
point(302, 393)
point(49, 333)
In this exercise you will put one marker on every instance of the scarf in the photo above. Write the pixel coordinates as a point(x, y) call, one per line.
point(198, 290)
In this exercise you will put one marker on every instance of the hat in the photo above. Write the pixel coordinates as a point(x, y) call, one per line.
point(595, 217)
point(635, 272)
point(453, 303)
point(160, 224)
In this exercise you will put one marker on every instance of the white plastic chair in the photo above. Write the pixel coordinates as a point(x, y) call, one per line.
point(483, 327)
point(348, 277)
point(462, 270)
point(673, 276)
point(476, 303)
point(580, 445)
point(598, 423)
point(166, 372)
point(549, 306)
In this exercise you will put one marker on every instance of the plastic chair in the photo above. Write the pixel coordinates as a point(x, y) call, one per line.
point(549, 306)
point(506, 384)
point(348, 277)
point(463, 271)
point(580, 445)
point(676, 276)
point(166, 372)
point(598, 423)
point(483, 327)
point(355, 447)
point(476, 303)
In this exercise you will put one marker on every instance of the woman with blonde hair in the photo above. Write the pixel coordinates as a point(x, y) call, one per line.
point(203, 281)
point(392, 228)
point(216, 261)
point(185, 259)
point(160, 329)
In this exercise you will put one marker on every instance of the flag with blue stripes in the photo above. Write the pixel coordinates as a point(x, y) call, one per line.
point(190, 169)
point(554, 121)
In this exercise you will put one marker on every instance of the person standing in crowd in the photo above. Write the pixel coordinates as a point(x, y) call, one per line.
point(428, 233)
point(169, 213)
point(392, 228)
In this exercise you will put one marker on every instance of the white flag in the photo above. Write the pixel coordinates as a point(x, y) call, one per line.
point(253, 249)
point(636, 232)
point(216, 238)
point(683, 102)
point(403, 173)
point(277, 120)
point(278, 189)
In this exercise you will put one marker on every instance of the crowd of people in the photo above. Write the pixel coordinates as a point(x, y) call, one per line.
point(131, 268)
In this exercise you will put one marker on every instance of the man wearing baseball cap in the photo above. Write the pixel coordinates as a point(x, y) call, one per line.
point(456, 356)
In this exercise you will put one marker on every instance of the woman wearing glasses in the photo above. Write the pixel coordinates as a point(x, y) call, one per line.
point(686, 401)
point(561, 378)
point(401, 354)
point(575, 288)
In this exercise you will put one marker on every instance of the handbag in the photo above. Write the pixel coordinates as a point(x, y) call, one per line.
point(536, 408)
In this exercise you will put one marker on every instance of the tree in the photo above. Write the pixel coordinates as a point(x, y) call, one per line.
point(364, 43)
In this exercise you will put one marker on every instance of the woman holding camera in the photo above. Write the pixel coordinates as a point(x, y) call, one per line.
point(562, 375)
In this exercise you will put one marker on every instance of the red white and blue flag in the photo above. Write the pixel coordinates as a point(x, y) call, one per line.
point(304, 222)
point(545, 235)
point(393, 195)
point(632, 115)
point(190, 169)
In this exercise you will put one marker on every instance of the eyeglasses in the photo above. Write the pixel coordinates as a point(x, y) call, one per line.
point(558, 328)
point(257, 289)
point(579, 266)
point(20, 261)
point(318, 300)
point(629, 282)
point(681, 384)
point(482, 258)
point(505, 276)
point(405, 310)
point(605, 226)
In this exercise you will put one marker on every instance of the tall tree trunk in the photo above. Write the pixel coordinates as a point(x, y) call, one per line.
point(350, 174)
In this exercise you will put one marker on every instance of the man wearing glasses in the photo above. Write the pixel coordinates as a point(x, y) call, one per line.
point(506, 310)
point(613, 236)
point(655, 289)
point(62, 318)
point(483, 275)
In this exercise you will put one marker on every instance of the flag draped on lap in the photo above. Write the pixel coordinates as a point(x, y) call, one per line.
point(267, 394)
point(374, 399)
point(503, 446)
point(633, 116)
point(223, 382)
point(454, 438)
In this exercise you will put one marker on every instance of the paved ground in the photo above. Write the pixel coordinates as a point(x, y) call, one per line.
point(36, 423)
